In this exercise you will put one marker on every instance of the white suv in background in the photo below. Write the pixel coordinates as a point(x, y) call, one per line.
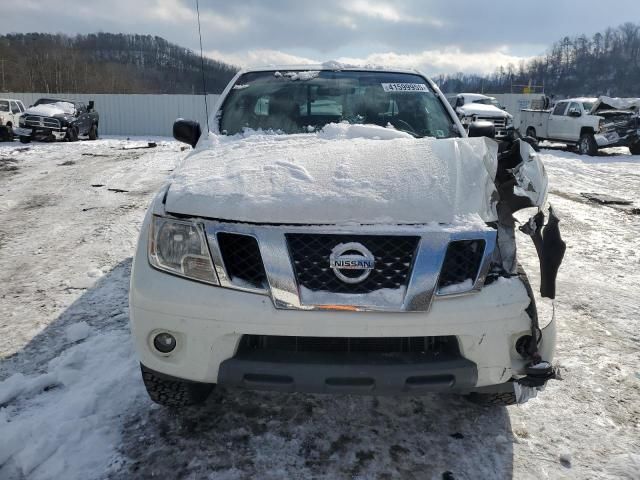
point(336, 232)
point(10, 111)
point(472, 107)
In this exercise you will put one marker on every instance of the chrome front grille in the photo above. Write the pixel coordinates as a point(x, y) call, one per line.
point(393, 259)
point(41, 122)
point(291, 264)
point(500, 125)
point(498, 122)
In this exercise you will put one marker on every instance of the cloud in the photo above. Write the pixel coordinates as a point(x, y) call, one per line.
point(431, 62)
point(449, 60)
point(260, 57)
point(436, 36)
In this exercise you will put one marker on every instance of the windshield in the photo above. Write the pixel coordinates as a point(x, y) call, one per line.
point(587, 106)
point(4, 106)
point(488, 101)
point(301, 102)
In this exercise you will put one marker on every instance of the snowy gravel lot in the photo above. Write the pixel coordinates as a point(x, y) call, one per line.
point(72, 405)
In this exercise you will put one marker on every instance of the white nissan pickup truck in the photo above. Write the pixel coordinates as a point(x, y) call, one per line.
point(337, 232)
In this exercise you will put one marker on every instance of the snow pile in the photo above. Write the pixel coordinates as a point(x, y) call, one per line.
point(77, 331)
point(334, 131)
point(336, 176)
point(69, 415)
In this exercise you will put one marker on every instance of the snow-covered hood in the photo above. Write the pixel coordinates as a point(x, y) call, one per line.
point(51, 109)
point(616, 103)
point(481, 110)
point(321, 179)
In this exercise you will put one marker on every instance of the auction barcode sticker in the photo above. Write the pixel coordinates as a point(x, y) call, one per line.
point(404, 87)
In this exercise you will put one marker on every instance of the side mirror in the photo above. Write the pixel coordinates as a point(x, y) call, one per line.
point(187, 131)
point(482, 128)
point(574, 112)
point(90, 106)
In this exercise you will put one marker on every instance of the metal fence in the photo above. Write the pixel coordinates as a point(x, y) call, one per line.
point(122, 114)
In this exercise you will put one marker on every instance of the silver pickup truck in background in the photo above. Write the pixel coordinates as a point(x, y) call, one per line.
point(588, 123)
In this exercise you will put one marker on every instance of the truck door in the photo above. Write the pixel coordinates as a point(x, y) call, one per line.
point(15, 113)
point(83, 119)
point(557, 121)
point(573, 123)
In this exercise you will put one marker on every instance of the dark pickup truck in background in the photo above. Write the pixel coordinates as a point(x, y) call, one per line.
point(51, 119)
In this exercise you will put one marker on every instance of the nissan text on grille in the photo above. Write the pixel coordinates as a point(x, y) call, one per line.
point(338, 230)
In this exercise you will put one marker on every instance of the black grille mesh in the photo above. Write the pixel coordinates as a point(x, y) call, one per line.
point(461, 262)
point(393, 261)
point(241, 257)
point(348, 344)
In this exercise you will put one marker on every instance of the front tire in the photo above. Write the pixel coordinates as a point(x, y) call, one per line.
point(72, 134)
point(635, 148)
point(587, 145)
point(93, 132)
point(25, 139)
point(173, 392)
point(531, 132)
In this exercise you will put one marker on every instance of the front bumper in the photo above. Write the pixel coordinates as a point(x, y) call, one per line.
point(208, 323)
point(41, 132)
point(617, 139)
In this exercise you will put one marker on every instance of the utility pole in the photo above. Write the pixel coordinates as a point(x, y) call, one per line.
point(3, 84)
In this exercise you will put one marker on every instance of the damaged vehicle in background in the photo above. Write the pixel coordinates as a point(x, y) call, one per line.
point(588, 123)
point(51, 119)
point(473, 107)
point(10, 111)
point(337, 232)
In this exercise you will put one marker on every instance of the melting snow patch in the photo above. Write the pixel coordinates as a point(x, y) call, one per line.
point(77, 331)
point(81, 418)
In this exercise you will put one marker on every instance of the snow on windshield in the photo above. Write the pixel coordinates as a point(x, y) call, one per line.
point(306, 101)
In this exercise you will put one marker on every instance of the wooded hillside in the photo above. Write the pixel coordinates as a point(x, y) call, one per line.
point(607, 63)
point(104, 63)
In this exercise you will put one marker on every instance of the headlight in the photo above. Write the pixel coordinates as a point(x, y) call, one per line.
point(509, 121)
point(180, 247)
point(466, 120)
point(22, 122)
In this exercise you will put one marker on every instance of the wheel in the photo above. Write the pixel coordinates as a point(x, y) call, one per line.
point(5, 133)
point(25, 139)
point(531, 132)
point(93, 132)
point(173, 392)
point(72, 134)
point(635, 148)
point(503, 399)
point(587, 145)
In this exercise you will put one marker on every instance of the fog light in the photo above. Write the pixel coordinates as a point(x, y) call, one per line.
point(164, 342)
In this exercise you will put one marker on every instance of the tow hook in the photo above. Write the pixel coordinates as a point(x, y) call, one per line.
point(538, 374)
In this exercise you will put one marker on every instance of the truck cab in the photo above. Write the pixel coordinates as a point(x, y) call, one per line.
point(569, 118)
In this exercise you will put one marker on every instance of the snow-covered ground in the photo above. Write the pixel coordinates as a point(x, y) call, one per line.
point(72, 404)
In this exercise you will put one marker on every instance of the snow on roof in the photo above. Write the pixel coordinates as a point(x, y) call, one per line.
point(329, 66)
point(580, 99)
point(475, 96)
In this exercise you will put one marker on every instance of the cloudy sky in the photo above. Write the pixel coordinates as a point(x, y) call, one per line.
point(437, 36)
